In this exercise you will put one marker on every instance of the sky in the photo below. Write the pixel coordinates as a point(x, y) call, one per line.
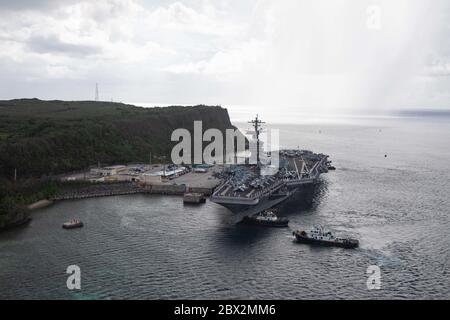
point(315, 55)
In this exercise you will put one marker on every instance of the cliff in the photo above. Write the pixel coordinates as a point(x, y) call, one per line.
point(50, 137)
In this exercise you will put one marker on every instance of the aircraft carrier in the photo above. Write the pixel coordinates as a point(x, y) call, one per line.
point(247, 191)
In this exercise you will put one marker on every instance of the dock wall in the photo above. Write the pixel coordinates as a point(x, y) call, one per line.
point(205, 191)
point(117, 189)
point(166, 189)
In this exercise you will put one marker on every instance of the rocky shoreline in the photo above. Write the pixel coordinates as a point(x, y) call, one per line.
point(21, 215)
point(15, 219)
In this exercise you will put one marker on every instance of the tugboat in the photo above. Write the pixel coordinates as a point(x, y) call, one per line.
point(330, 166)
point(72, 224)
point(319, 236)
point(266, 218)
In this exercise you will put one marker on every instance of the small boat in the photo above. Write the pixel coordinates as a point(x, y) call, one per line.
point(266, 218)
point(330, 166)
point(72, 224)
point(318, 235)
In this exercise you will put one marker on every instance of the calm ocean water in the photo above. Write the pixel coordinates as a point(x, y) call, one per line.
point(154, 247)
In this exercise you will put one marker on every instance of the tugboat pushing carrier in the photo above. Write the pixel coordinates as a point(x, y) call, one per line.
point(319, 236)
point(267, 218)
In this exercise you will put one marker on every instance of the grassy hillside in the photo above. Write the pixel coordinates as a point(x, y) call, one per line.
point(50, 137)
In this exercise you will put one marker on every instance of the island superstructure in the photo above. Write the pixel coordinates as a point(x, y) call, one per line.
point(246, 188)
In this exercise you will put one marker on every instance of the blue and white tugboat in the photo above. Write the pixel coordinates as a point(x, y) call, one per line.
point(318, 235)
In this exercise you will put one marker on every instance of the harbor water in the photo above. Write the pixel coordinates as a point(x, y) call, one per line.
point(390, 190)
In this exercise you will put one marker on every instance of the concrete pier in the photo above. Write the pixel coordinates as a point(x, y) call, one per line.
point(191, 197)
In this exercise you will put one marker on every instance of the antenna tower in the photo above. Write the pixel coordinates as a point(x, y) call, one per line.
point(257, 126)
point(96, 92)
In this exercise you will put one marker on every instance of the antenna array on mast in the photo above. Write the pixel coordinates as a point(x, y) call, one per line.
point(257, 126)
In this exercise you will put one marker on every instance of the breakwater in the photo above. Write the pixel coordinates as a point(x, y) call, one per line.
point(117, 189)
point(39, 204)
point(99, 190)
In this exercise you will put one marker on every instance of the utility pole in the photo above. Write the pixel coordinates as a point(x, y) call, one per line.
point(15, 175)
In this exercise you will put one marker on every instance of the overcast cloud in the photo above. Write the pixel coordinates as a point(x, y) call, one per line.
point(316, 55)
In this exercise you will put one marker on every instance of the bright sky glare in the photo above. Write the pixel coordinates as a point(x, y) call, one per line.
point(314, 55)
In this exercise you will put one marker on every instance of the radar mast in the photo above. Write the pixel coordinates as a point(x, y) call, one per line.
point(256, 123)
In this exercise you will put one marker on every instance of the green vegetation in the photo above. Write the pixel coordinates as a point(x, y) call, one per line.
point(44, 138)
point(25, 192)
point(16, 196)
point(50, 137)
point(31, 190)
